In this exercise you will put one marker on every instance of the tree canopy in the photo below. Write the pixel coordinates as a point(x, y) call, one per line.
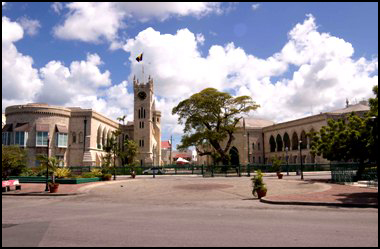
point(210, 117)
point(13, 160)
point(351, 138)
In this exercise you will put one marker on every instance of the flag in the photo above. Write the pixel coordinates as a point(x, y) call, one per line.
point(139, 58)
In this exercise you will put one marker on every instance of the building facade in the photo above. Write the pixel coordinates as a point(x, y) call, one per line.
point(258, 141)
point(77, 136)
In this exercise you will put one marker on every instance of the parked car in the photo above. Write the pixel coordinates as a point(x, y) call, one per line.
point(156, 171)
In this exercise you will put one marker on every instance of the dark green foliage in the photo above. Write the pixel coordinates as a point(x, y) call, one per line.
point(13, 161)
point(210, 117)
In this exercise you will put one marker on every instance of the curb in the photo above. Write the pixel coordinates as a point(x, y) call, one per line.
point(40, 194)
point(328, 204)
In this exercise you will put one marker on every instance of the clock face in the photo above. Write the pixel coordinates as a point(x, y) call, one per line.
point(141, 95)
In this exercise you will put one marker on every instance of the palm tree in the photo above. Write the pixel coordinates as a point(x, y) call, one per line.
point(122, 118)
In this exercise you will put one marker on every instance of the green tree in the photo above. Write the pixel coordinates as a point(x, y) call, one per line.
point(372, 126)
point(13, 160)
point(51, 162)
point(131, 150)
point(122, 118)
point(210, 117)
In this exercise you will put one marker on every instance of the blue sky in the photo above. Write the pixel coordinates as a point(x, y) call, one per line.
point(278, 53)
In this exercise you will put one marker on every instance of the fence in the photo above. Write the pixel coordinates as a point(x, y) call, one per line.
point(346, 172)
point(340, 172)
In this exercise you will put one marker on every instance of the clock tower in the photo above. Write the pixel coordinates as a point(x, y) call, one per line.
point(147, 128)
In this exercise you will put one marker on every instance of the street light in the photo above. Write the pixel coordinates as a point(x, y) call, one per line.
point(287, 161)
point(301, 159)
point(47, 165)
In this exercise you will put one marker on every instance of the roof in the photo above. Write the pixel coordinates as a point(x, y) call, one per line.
point(352, 108)
point(165, 144)
point(255, 123)
point(183, 155)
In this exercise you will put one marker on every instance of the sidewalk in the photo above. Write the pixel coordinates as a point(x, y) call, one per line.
point(315, 190)
point(336, 195)
point(38, 189)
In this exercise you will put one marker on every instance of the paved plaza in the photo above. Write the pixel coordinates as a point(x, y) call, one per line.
point(183, 211)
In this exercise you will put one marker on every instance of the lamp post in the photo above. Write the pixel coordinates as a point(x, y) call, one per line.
point(248, 147)
point(287, 161)
point(301, 159)
point(47, 165)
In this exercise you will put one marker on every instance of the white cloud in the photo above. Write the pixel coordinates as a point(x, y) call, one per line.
point(255, 6)
point(20, 81)
point(100, 21)
point(323, 66)
point(57, 7)
point(30, 26)
point(82, 78)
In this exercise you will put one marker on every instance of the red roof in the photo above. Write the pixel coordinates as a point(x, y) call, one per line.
point(165, 144)
point(182, 155)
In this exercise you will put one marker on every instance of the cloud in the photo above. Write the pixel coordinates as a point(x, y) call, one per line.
point(255, 6)
point(322, 66)
point(30, 26)
point(57, 7)
point(82, 78)
point(101, 21)
point(324, 74)
point(20, 81)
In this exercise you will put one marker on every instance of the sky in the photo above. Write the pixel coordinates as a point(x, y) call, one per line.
point(293, 59)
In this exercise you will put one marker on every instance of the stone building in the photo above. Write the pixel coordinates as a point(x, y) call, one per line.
point(77, 136)
point(258, 141)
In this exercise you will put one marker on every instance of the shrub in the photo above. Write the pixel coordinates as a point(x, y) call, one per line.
point(62, 172)
point(258, 183)
point(106, 177)
point(96, 172)
point(88, 175)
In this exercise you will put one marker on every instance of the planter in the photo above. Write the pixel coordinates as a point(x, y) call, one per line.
point(261, 193)
point(279, 175)
point(53, 187)
point(133, 174)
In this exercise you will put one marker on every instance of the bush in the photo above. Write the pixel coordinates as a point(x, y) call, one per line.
point(258, 183)
point(106, 177)
point(88, 175)
point(96, 172)
point(62, 172)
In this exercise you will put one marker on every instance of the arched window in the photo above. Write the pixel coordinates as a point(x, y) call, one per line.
point(80, 137)
point(295, 141)
point(74, 137)
point(304, 140)
point(279, 142)
point(272, 143)
point(234, 153)
point(99, 138)
point(286, 141)
point(253, 146)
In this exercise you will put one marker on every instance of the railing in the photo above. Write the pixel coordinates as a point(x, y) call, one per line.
point(340, 172)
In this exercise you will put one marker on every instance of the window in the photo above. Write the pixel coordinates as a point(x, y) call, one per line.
point(253, 146)
point(41, 138)
point(6, 138)
point(258, 146)
point(61, 141)
point(61, 161)
point(21, 137)
point(158, 120)
point(141, 125)
point(80, 137)
point(74, 137)
point(141, 143)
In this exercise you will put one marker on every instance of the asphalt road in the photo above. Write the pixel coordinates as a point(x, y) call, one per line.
point(179, 212)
